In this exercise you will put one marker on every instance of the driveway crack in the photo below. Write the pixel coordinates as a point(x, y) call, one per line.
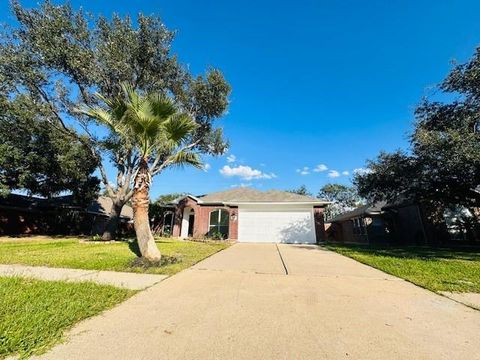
point(282, 260)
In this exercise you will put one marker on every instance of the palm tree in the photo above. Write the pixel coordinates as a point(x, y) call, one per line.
point(153, 128)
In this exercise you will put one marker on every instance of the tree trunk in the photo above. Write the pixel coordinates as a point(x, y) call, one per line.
point(141, 202)
point(111, 228)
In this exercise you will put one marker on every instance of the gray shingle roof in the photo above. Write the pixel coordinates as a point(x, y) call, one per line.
point(245, 194)
point(361, 211)
point(103, 206)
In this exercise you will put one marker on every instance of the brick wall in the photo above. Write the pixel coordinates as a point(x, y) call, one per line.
point(202, 218)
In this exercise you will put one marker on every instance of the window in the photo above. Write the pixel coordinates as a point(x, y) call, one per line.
point(219, 220)
point(168, 223)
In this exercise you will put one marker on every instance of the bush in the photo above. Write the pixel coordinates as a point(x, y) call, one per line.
point(216, 235)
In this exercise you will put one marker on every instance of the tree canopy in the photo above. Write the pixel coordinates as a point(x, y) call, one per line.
point(301, 190)
point(38, 158)
point(60, 57)
point(166, 198)
point(442, 166)
point(151, 126)
point(342, 197)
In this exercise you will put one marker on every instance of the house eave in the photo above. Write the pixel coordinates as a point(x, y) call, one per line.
point(310, 203)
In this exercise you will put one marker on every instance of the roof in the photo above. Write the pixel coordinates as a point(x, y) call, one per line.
point(360, 211)
point(249, 195)
point(103, 206)
point(35, 204)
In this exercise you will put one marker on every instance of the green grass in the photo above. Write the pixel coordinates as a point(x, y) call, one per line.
point(72, 253)
point(434, 269)
point(34, 314)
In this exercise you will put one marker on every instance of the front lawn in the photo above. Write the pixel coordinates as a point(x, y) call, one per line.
point(34, 314)
point(117, 256)
point(435, 269)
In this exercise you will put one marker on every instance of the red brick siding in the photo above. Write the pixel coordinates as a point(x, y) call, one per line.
point(202, 218)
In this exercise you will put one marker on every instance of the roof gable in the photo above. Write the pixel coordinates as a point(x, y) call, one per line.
point(360, 211)
point(245, 194)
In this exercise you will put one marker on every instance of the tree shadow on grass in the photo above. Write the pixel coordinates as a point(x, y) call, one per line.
point(133, 246)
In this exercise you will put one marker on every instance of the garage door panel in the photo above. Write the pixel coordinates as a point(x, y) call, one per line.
point(279, 226)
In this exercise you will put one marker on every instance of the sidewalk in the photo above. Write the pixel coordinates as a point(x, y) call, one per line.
point(126, 280)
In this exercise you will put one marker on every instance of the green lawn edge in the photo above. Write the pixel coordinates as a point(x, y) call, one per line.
point(35, 314)
point(117, 256)
point(435, 269)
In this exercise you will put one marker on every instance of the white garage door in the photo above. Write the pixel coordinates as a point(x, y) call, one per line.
point(276, 225)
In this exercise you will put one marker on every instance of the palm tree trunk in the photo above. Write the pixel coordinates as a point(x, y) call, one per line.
point(140, 202)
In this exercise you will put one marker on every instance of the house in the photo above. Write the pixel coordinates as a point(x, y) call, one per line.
point(401, 223)
point(99, 210)
point(364, 225)
point(21, 214)
point(248, 215)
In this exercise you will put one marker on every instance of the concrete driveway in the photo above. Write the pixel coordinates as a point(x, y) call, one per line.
point(262, 301)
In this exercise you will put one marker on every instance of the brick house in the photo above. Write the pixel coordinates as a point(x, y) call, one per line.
point(401, 223)
point(364, 225)
point(20, 214)
point(248, 215)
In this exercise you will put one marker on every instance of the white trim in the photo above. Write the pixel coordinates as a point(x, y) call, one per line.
point(185, 222)
point(286, 203)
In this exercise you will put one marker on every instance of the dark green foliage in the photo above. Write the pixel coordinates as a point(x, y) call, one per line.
point(216, 235)
point(442, 168)
point(167, 198)
point(302, 190)
point(35, 156)
point(60, 57)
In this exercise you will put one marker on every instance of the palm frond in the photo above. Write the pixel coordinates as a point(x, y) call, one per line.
point(179, 126)
point(186, 157)
point(161, 105)
point(150, 123)
point(105, 117)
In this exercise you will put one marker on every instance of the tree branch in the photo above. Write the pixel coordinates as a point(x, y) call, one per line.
point(86, 143)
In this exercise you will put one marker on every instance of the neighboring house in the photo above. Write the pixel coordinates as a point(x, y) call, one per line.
point(99, 210)
point(20, 214)
point(248, 215)
point(364, 225)
point(404, 223)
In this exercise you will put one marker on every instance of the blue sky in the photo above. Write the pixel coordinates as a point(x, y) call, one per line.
point(314, 82)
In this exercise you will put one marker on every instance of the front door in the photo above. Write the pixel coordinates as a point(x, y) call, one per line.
point(191, 220)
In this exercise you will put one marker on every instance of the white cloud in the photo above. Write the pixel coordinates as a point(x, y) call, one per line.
point(231, 158)
point(346, 173)
point(303, 171)
point(207, 167)
point(245, 173)
point(361, 171)
point(241, 185)
point(333, 174)
point(320, 168)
